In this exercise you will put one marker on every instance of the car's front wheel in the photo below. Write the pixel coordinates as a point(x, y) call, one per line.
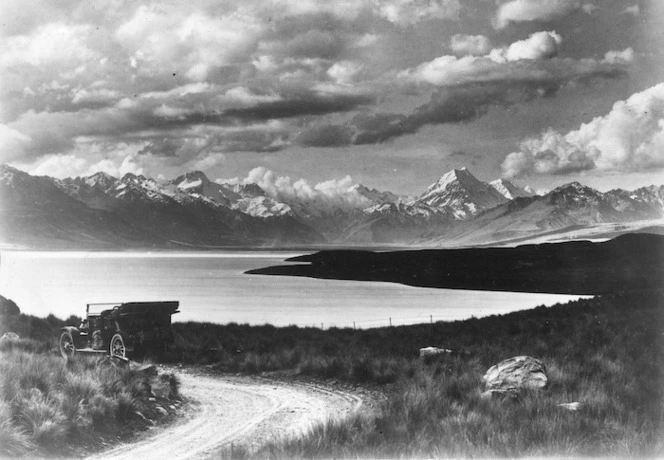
point(67, 348)
point(117, 346)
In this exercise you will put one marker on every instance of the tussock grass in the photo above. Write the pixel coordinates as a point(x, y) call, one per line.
point(606, 352)
point(49, 405)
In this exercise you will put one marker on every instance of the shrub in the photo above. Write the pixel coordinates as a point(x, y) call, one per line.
point(51, 405)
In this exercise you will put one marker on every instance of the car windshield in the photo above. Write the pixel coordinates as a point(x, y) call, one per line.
point(95, 309)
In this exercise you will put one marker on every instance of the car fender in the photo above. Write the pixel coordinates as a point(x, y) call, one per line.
point(74, 331)
point(75, 335)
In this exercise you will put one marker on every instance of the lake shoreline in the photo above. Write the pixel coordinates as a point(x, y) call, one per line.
point(632, 261)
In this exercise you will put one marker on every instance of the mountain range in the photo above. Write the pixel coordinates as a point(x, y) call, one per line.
point(191, 211)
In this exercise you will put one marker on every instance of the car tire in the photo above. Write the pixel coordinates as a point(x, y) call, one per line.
point(117, 346)
point(67, 348)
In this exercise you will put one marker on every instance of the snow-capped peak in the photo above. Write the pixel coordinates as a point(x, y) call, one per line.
point(509, 190)
point(250, 190)
point(454, 176)
point(191, 180)
point(375, 196)
point(462, 194)
point(100, 179)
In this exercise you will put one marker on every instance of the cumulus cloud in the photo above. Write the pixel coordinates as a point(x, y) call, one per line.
point(13, 143)
point(117, 163)
point(330, 194)
point(625, 56)
point(533, 10)
point(589, 8)
point(629, 138)
point(48, 44)
point(470, 44)
point(512, 63)
point(194, 44)
point(343, 72)
point(407, 12)
point(633, 10)
point(540, 45)
point(465, 88)
point(189, 82)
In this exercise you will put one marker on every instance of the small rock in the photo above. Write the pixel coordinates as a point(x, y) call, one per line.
point(515, 374)
point(573, 406)
point(433, 351)
point(10, 337)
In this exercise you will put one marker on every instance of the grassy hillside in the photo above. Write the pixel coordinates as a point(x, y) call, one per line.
point(49, 406)
point(606, 353)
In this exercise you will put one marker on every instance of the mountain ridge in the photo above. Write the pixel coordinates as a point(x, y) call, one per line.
point(457, 209)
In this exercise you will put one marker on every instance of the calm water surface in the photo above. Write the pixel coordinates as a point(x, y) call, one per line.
point(212, 287)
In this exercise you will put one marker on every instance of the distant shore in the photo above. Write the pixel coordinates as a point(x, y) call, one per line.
point(632, 261)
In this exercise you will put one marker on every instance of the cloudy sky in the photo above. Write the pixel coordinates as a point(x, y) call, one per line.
point(392, 93)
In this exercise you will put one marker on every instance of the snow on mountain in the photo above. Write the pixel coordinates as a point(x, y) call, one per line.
point(509, 190)
point(196, 182)
point(461, 194)
point(254, 201)
point(408, 209)
point(376, 196)
point(250, 190)
point(457, 209)
point(262, 206)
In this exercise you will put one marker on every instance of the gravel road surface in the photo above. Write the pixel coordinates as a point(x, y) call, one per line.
point(239, 411)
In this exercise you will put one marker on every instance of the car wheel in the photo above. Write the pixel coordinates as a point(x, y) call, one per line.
point(67, 348)
point(117, 346)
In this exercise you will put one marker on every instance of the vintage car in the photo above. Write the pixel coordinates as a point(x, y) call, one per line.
point(121, 329)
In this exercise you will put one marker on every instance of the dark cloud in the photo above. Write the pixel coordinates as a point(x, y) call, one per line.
point(163, 147)
point(466, 102)
point(322, 44)
point(326, 136)
point(251, 140)
point(303, 104)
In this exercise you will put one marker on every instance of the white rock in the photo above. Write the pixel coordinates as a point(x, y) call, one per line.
point(516, 373)
point(432, 351)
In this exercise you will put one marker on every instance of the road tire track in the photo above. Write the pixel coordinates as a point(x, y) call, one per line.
point(225, 411)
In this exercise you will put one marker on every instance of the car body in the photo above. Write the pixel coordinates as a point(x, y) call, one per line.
point(121, 329)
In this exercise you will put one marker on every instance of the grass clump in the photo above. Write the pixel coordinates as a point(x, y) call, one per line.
point(605, 352)
point(52, 406)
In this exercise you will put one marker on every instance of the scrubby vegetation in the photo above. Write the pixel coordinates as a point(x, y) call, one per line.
point(52, 406)
point(49, 406)
point(605, 353)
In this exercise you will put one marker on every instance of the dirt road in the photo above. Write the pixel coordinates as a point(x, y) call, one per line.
point(238, 411)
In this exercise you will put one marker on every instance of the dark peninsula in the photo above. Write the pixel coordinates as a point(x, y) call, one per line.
point(628, 262)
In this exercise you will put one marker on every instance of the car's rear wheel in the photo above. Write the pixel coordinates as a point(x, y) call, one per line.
point(117, 346)
point(67, 348)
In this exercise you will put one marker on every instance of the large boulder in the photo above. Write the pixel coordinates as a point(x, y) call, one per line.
point(8, 307)
point(515, 374)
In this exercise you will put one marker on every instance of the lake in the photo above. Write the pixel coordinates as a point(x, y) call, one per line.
point(212, 287)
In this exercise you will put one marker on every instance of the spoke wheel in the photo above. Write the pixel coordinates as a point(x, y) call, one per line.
point(67, 348)
point(117, 346)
